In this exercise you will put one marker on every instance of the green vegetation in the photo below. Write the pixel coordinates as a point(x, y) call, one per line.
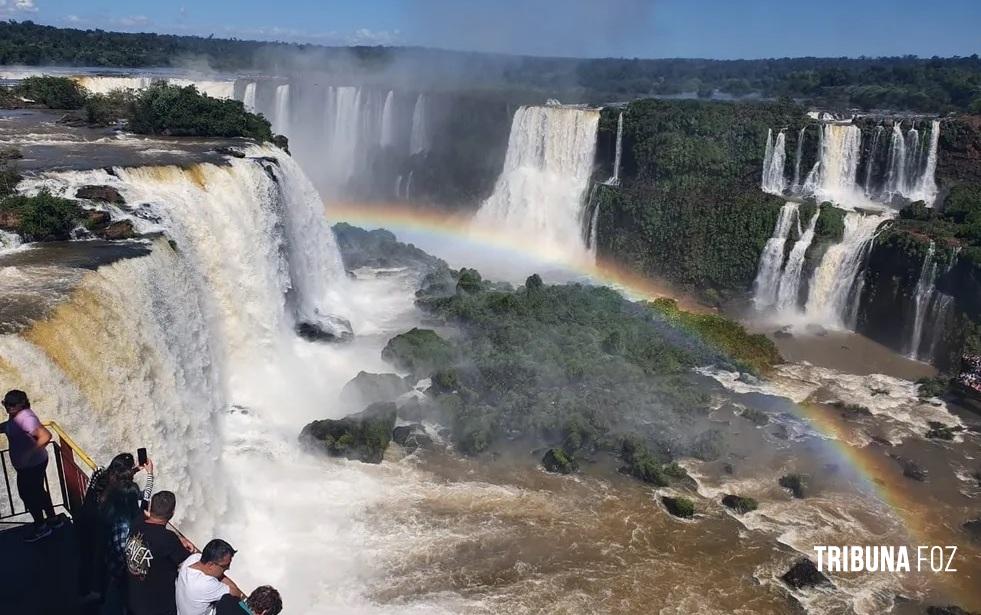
point(178, 111)
point(39, 218)
point(557, 461)
point(576, 367)
point(53, 92)
point(689, 208)
point(932, 387)
point(107, 109)
point(908, 82)
point(740, 504)
point(419, 351)
point(363, 436)
point(679, 507)
point(754, 416)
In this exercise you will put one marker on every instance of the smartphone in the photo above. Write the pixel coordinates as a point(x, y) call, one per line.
point(141, 456)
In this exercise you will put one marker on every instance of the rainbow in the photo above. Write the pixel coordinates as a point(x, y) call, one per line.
point(874, 472)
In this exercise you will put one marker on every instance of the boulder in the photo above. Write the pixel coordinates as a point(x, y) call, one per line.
point(756, 417)
point(363, 436)
point(973, 529)
point(411, 437)
point(556, 460)
point(679, 507)
point(120, 229)
point(795, 483)
point(947, 610)
point(329, 329)
point(804, 574)
point(910, 468)
point(367, 388)
point(106, 194)
point(739, 503)
point(229, 151)
point(97, 218)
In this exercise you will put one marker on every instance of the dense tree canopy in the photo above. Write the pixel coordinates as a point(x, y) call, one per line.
point(907, 82)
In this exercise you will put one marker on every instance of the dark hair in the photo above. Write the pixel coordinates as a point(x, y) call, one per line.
point(265, 599)
point(121, 470)
point(162, 505)
point(16, 397)
point(215, 550)
point(123, 502)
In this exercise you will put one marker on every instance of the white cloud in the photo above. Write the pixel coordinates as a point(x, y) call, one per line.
point(73, 19)
point(131, 21)
point(8, 7)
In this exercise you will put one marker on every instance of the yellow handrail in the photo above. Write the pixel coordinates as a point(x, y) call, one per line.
point(65, 439)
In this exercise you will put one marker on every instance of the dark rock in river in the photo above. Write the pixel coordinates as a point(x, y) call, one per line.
point(363, 436)
point(367, 388)
point(96, 218)
point(330, 329)
point(939, 431)
point(229, 151)
point(947, 610)
point(411, 437)
point(679, 507)
point(739, 504)
point(106, 194)
point(556, 460)
point(910, 468)
point(973, 529)
point(121, 229)
point(804, 574)
point(795, 483)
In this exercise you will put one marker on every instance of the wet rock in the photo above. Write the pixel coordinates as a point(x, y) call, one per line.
point(10, 221)
point(973, 529)
point(739, 503)
point(947, 610)
point(411, 437)
point(363, 436)
point(882, 440)
point(10, 153)
point(804, 574)
point(229, 151)
point(121, 229)
point(910, 468)
point(785, 332)
point(780, 432)
point(727, 468)
point(757, 417)
point(330, 329)
point(939, 431)
point(96, 218)
point(795, 483)
point(679, 507)
point(556, 460)
point(105, 194)
point(367, 388)
point(818, 330)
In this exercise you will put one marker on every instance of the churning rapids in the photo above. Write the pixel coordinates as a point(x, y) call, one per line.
point(184, 343)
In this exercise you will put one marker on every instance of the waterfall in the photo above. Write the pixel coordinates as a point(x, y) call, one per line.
point(788, 292)
point(615, 178)
point(797, 157)
point(539, 195)
point(896, 174)
point(924, 293)
point(419, 136)
point(771, 261)
point(388, 121)
point(831, 295)
point(870, 163)
point(248, 98)
point(926, 186)
point(833, 177)
point(343, 126)
point(914, 149)
point(773, 163)
point(281, 112)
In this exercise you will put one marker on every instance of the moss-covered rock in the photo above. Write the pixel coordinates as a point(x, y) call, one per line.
point(363, 436)
point(756, 417)
point(419, 351)
point(804, 574)
point(795, 483)
point(679, 507)
point(42, 217)
point(556, 460)
point(739, 503)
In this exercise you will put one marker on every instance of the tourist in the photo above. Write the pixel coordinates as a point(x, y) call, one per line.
point(121, 513)
point(263, 600)
point(201, 580)
point(153, 555)
point(89, 522)
point(28, 438)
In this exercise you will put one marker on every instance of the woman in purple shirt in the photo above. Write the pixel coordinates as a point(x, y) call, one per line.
point(28, 438)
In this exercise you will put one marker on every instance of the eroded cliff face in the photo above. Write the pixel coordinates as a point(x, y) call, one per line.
point(960, 151)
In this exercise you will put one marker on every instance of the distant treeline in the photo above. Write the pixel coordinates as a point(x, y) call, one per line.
point(897, 83)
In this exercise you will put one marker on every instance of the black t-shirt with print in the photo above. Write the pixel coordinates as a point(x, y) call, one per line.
point(153, 555)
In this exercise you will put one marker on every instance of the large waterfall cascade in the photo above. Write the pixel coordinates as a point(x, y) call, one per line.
point(196, 327)
point(771, 260)
point(539, 196)
point(788, 292)
point(930, 308)
point(901, 166)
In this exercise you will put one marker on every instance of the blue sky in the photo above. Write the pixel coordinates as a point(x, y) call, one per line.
point(628, 28)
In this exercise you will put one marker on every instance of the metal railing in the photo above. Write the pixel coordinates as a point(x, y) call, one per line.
point(70, 469)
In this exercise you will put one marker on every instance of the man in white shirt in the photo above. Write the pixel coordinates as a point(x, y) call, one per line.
point(201, 580)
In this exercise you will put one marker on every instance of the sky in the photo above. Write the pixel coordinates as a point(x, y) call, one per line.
point(724, 29)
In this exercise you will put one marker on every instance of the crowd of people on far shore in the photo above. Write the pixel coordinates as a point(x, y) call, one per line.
point(970, 375)
point(131, 560)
